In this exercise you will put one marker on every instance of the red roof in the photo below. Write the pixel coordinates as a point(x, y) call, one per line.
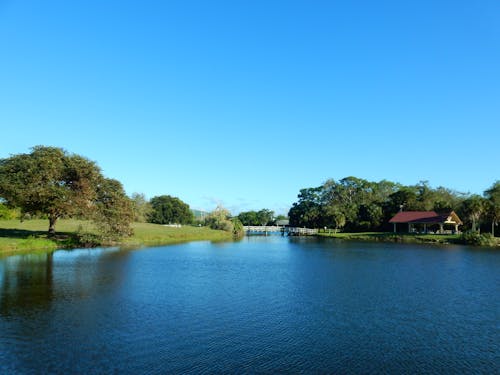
point(416, 217)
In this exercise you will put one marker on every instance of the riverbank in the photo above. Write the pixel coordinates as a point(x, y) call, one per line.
point(402, 237)
point(31, 235)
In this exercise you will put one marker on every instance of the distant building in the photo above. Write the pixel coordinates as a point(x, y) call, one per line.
point(427, 219)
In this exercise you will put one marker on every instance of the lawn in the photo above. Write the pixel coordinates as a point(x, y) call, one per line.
point(31, 235)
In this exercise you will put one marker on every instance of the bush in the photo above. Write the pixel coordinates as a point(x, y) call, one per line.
point(478, 239)
point(238, 230)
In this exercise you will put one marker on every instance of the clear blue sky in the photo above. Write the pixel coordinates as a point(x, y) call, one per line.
point(246, 102)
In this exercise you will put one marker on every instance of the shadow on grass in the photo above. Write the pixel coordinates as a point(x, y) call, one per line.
point(25, 234)
point(21, 233)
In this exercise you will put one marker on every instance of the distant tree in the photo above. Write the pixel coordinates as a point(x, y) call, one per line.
point(221, 219)
point(493, 196)
point(404, 199)
point(248, 218)
point(261, 217)
point(141, 207)
point(474, 208)
point(265, 216)
point(446, 199)
point(167, 209)
point(54, 183)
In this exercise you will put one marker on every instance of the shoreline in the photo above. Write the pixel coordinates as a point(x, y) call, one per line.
point(428, 239)
point(31, 236)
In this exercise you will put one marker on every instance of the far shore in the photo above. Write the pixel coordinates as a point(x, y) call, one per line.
point(31, 236)
point(444, 239)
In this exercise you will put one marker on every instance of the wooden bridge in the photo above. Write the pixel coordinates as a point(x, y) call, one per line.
point(290, 231)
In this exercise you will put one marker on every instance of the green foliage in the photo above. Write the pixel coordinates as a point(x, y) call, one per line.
point(475, 238)
point(48, 181)
point(356, 204)
point(238, 230)
point(493, 206)
point(307, 212)
point(472, 210)
point(8, 213)
point(31, 236)
point(141, 207)
point(112, 211)
point(220, 218)
point(53, 183)
point(169, 210)
point(262, 217)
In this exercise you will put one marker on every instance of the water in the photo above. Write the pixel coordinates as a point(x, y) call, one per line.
point(263, 305)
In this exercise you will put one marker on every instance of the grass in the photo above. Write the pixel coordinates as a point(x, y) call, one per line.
point(31, 235)
point(397, 237)
point(146, 234)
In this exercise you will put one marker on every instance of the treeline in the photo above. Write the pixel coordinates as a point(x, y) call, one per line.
point(355, 205)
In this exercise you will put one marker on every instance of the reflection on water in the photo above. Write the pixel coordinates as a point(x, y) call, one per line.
point(31, 282)
point(264, 304)
point(26, 282)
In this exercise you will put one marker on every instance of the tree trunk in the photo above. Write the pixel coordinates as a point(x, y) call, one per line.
point(52, 225)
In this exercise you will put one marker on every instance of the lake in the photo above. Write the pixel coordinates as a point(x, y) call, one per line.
point(262, 305)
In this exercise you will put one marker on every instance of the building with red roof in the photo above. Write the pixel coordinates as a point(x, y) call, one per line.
point(425, 219)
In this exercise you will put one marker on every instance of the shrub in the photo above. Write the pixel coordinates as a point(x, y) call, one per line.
point(478, 239)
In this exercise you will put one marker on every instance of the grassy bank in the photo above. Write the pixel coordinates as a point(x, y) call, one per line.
point(398, 237)
point(31, 235)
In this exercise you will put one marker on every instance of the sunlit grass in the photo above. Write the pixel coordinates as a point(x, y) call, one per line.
point(16, 236)
point(154, 234)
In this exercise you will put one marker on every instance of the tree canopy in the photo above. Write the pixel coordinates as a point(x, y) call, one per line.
point(166, 209)
point(360, 205)
point(52, 182)
point(261, 217)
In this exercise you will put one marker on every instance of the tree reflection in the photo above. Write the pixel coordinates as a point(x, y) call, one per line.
point(34, 281)
point(26, 282)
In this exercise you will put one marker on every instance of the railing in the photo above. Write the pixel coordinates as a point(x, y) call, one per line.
point(263, 228)
point(302, 231)
point(291, 231)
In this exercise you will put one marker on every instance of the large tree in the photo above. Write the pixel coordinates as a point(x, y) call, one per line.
point(169, 210)
point(51, 182)
point(493, 196)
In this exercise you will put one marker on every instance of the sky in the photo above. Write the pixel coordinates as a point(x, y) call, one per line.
point(244, 103)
